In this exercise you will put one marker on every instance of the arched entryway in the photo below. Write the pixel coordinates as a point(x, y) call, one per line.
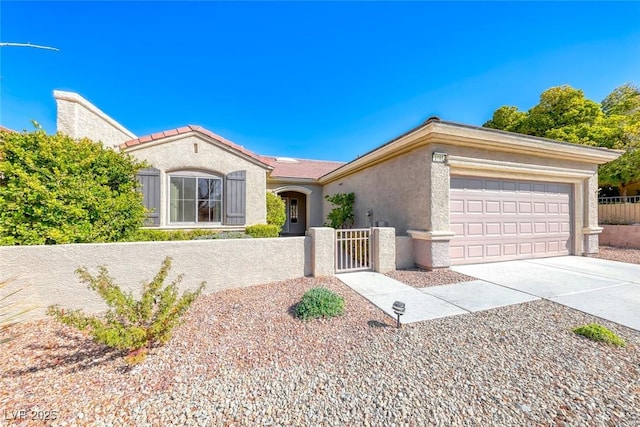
point(297, 209)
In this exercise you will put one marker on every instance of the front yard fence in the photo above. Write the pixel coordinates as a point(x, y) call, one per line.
point(619, 210)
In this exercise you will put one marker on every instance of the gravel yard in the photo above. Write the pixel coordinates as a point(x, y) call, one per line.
point(631, 256)
point(240, 358)
point(421, 278)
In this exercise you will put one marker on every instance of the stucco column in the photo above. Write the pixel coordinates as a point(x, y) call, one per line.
point(383, 246)
point(431, 246)
point(323, 244)
point(590, 229)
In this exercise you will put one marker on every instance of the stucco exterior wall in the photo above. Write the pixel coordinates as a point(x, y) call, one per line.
point(397, 191)
point(411, 192)
point(46, 273)
point(404, 252)
point(621, 236)
point(78, 118)
point(384, 249)
point(323, 244)
point(180, 153)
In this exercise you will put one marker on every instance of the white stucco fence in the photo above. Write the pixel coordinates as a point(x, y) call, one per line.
point(46, 274)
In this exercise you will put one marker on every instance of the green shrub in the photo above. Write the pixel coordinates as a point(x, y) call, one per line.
point(224, 235)
point(596, 332)
point(276, 207)
point(263, 230)
point(341, 216)
point(152, 235)
point(319, 302)
point(54, 189)
point(130, 324)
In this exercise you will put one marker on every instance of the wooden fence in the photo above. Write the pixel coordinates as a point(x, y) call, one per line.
point(619, 213)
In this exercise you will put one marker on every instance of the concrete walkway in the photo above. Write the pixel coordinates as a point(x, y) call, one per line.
point(432, 302)
point(607, 289)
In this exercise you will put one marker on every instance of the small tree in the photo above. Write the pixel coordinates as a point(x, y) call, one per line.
point(341, 216)
point(565, 114)
point(54, 189)
point(276, 214)
point(130, 324)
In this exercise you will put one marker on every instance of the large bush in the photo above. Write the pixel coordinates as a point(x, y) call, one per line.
point(130, 324)
point(54, 189)
point(276, 214)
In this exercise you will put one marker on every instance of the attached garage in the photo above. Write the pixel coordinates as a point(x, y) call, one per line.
point(498, 220)
point(459, 194)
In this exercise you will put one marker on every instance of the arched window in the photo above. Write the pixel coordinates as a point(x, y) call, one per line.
point(195, 197)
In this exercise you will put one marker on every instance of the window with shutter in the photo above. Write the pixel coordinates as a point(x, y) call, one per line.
point(195, 197)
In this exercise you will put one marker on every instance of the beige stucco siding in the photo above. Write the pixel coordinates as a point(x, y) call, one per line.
point(78, 118)
point(177, 154)
point(411, 191)
point(451, 150)
point(397, 191)
point(45, 273)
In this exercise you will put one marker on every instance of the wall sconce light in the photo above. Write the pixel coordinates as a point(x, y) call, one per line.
point(398, 309)
point(439, 157)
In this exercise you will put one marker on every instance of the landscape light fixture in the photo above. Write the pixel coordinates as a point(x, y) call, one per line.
point(398, 309)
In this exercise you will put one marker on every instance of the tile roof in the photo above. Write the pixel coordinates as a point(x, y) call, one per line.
point(2, 128)
point(192, 128)
point(285, 167)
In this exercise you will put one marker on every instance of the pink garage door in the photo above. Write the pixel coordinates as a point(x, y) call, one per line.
point(497, 220)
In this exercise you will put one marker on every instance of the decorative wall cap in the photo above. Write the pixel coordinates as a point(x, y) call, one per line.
point(591, 230)
point(431, 235)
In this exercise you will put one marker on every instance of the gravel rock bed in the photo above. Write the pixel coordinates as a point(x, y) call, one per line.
point(628, 255)
point(421, 278)
point(240, 358)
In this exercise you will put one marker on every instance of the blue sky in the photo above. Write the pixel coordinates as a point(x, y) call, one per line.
point(326, 80)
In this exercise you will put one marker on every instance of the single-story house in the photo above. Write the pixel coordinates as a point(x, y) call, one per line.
point(198, 179)
point(464, 194)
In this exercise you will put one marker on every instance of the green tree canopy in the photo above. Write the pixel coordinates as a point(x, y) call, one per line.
point(565, 114)
point(54, 189)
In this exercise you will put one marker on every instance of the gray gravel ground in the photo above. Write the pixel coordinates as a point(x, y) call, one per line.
point(631, 256)
point(240, 358)
point(421, 278)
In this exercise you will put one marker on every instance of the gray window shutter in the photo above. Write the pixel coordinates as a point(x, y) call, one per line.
point(235, 198)
point(149, 179)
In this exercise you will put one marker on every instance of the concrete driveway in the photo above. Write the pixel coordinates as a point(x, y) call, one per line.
point(607, 289)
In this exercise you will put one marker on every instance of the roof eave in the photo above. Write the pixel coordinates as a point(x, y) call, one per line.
point(143, 145)
point(291, 180)
point(434, 131)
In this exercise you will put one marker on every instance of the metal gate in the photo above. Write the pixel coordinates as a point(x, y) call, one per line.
point(353, 250)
